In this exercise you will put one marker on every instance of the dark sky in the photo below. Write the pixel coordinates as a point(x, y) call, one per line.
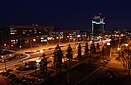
point(66, 13)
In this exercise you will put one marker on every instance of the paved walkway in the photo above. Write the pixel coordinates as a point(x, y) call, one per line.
point(115, 64)
point(120, 72)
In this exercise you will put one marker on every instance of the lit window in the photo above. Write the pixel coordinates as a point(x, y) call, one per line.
point(13, 42)
point(34, 40)
point(42, 38)
point(23, 32)
point(30, 30)
point(13, 31)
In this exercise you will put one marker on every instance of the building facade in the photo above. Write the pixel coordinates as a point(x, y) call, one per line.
point(30, 35)
point(98, 26)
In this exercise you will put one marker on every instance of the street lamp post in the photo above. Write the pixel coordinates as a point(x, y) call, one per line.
point(108, 44)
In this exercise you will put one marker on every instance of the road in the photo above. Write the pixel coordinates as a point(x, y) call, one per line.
point(35, 56)
point(78, 71)
point(48, 50)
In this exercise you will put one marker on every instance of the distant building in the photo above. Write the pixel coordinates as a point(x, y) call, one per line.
point(29, 35)
point(67, 35)
point(98, 26)
point(19, 35)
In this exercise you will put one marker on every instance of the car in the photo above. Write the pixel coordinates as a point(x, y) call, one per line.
point(28, 66)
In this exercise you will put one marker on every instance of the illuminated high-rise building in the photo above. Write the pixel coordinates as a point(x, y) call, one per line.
point(98, 26)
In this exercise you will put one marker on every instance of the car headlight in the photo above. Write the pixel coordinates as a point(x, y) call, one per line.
point(41, 51)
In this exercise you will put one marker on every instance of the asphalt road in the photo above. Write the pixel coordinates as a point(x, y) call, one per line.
point(35, 56)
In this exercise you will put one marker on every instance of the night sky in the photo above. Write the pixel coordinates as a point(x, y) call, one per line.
point(73, 14)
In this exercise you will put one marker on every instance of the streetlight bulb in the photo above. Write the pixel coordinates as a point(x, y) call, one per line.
point(126, 44)
point(34, 40)
point(41, 51)
point(118, 49)
point(4, 44)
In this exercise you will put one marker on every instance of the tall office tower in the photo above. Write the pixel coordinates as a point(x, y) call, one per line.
point(98, 26)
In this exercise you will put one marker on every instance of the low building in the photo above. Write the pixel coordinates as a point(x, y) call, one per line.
point(30, 35)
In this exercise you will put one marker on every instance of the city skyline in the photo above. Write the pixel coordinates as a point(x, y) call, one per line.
point(66, 14)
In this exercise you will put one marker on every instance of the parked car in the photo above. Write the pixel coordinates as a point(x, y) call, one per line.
point(28, 66)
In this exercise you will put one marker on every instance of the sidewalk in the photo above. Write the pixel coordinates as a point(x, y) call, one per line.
point(115, 64)
point(121, 74)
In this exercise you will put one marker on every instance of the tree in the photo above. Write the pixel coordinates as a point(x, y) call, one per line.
point(93, 48)
point(86, 49)
point(79, 52)
point(68, 64)
point(43, 65)
point(43, 55)
point(98, 47)
point(69, 52)
point(58, 57)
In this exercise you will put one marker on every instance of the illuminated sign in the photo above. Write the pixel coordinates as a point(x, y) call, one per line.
point(101, 22)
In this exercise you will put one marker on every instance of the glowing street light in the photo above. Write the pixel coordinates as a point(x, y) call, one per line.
point(118, 49)
point(108, 44)
point(126, 45)
point(5, 45)
point(11, 45)
point(20, 46)
point(34, 40)
point(119, 52)
point(41, 51)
